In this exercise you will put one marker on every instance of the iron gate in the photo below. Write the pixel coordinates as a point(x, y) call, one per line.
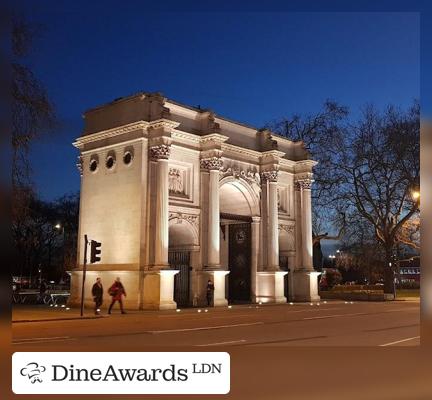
point(239, 262)
point(180, 260)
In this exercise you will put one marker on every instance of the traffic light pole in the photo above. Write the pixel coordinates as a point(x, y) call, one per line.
point(84, 274)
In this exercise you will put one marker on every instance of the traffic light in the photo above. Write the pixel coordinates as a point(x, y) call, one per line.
point(95, 251)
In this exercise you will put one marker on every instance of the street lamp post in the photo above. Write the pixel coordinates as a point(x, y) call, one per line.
point(59, 226)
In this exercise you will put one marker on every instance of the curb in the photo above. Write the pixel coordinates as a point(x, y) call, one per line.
point(55, 319)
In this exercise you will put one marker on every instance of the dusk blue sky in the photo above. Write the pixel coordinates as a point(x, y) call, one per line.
point(250, 67)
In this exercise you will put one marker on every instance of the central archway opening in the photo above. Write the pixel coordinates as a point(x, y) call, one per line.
point(236, 218)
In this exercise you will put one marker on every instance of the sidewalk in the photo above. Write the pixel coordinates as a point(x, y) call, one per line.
point(39, 313)
point(33, 313)
point(402, 298)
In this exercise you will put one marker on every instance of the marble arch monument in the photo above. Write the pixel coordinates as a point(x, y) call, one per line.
point(179, 195)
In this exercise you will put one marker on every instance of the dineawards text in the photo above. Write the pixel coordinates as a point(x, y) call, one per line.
point(113, 374)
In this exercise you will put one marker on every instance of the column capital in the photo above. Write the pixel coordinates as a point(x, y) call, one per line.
point(211, 160)
point(303, 184)
point(160, 152)
point(269, 176)
point(303, 181)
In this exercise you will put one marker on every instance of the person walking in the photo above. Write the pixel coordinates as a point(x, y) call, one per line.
point(210, 291)
point(42, 292)
point(97, 293)
point(116, 291)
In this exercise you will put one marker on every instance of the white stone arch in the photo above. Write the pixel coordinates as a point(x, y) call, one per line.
point(242, 186)
point(183, 231)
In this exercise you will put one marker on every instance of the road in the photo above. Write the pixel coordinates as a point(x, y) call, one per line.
point(327, 324)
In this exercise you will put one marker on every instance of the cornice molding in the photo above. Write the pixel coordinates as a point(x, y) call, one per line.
point(163, 123)
point(304, 165)
point(213, 137)
point(182, 136)
point(113, 132)
point(273, 153)
point(229, 149)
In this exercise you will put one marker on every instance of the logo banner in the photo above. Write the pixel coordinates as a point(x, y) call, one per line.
point(121, 373)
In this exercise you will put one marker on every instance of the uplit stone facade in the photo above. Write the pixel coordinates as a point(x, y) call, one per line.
point(161, 181)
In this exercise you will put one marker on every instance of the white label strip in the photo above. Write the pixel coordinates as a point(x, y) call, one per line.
point(121, 373)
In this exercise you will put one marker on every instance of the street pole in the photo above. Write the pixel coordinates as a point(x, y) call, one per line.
point(63, 255)
point(84, 274)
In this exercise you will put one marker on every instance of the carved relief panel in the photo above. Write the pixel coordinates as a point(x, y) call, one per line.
point(180, 179)
point(176, 180)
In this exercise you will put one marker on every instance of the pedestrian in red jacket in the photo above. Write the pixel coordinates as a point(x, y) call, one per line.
point(117, 291)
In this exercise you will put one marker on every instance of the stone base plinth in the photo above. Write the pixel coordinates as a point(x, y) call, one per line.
point(306, 285)
point(218, 279)
point(270, 287)
point(158, 290)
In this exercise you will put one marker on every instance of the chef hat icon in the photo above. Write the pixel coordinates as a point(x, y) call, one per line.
point(32, 371)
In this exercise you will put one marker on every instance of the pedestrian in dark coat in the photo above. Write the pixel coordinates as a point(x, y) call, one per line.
point(42, 291)
point(117, 291)
point(97, 293)
point(210, 292)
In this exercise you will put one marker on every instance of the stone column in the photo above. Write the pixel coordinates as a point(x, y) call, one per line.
point(213, 165)
point(255, 233)
point(304, 187)
point(273, 225)
point(213, 270)
point(158, 285)
point(305, 277)
point(161, 154)
point(270, 282)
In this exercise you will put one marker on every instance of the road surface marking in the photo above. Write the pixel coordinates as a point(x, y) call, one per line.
point(309, 310)
point(42, 340)
point(391, 327)
point(211, 316)
point(205, 328)
point(335, 315)
point(399, 341)
point(284, 340)
point(221, 343)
